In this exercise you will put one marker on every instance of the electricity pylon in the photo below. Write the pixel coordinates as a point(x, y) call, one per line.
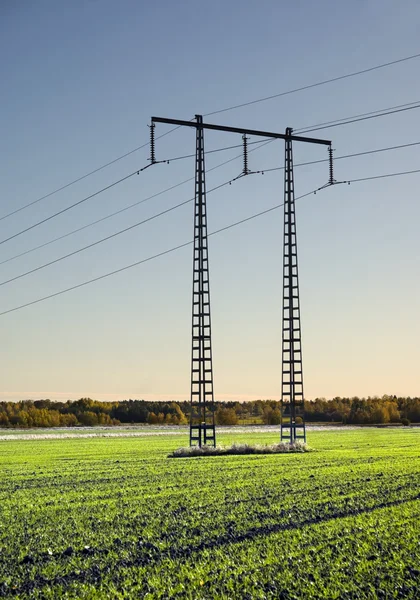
point(202, 426)
point(292, 401)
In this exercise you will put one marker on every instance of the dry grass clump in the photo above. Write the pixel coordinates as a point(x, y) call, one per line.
point(238, 449)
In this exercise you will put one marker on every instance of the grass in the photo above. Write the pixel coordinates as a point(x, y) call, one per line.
point(115, 518)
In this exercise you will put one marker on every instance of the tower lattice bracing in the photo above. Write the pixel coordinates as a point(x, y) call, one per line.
point(202, 428)
point(202, 425)
point(292, 401)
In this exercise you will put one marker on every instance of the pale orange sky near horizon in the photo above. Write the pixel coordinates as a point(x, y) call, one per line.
point(104, 397)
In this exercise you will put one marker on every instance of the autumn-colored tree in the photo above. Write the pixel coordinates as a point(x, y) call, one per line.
point(152, 418)
point(88, 418)
point(271, 416)
point(226, 416)
point(85, 411)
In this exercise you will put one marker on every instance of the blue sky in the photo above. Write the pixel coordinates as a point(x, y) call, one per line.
point(80, 82)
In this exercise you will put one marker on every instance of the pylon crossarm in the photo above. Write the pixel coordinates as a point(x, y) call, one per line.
point(242, 130)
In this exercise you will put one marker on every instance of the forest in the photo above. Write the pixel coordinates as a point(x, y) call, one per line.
point(88, 412)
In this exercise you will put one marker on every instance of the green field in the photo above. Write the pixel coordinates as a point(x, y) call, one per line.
point(115, 518)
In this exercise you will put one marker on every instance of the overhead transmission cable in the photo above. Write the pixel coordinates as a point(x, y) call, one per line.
point(309, 163)
point(279, 95)
point(366, 114)
point(86, 198)
point(112, 235)
point(344, 156)
point(314, 85)
point(121, 210)
point(137, 263)
point(67, 208)
point(382, 113)
point(372, 177)
point(120, 232)
point(330, 124)
point(359, 118)
point(67, 185)
point(184, 245)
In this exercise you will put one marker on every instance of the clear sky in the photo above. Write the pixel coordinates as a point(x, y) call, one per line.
point(79, 83)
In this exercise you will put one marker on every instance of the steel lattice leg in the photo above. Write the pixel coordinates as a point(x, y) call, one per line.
point(202, 424)
point(292, 400)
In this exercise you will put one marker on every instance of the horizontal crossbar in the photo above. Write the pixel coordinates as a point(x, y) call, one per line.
point(256, 132)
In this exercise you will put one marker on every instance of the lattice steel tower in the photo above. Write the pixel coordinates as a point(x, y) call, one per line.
point(292, 401)
point(202, 426)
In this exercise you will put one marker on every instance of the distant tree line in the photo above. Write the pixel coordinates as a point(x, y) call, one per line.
point(364, 411)
point(88, 412)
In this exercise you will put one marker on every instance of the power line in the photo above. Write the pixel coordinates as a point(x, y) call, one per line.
point(382, 112)
point(74, 287)
point(177, 206)
point(174, 159)
point(63, 187)
point(125, 230)
point(377, 150)
point(313, 85)
point(344, 156)
point(347, 120)
point(111, 236)
point(169, 160)
point(373, 112)
point(261, 144)
point(384, 176)
point(360, 118)
point(293, 91)
point(117, 212)
point(121, 210)
point(137, 263)
point(184, 245)
point(60, 212)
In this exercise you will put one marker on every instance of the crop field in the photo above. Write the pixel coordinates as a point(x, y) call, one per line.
point(97, 517)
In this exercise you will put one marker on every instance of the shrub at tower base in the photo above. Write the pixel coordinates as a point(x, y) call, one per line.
point(240, 449)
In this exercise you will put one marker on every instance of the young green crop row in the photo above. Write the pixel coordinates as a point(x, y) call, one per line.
point(95, 518)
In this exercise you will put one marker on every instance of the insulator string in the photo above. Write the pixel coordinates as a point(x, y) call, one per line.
point(152, 144)
point(245, 170)
point(331, 165)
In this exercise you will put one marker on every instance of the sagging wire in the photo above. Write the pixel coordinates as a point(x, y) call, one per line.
point(245, 171)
